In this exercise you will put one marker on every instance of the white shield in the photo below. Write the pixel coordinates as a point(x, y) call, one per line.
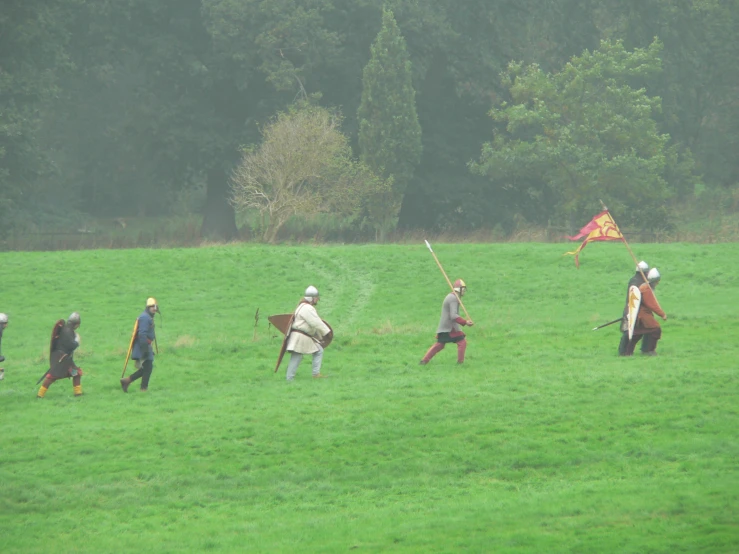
point(634, 304)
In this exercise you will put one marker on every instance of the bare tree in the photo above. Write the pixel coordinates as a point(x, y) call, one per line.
point(303, 166)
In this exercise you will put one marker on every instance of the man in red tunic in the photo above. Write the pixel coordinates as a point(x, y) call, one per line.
point(449, 329)
point(646, 325)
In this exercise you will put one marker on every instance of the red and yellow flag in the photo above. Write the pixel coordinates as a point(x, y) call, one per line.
point(601, 227)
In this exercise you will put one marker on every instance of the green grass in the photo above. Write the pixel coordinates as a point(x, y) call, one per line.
point(544, 441)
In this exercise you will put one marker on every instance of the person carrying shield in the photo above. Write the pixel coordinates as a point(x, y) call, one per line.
point(646, 325)
point(306, 332)
point(64, 341)
point(3, 325)
point(636, 281)
point(143, 348)
point(449, 329)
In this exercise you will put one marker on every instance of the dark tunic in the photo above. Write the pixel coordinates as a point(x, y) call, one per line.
point(145, 336)
point(61, 359)
point(635, 281)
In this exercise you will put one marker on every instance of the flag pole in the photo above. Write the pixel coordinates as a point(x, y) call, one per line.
point(447, 279)
point(623, 239)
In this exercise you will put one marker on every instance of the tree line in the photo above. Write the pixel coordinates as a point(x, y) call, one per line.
point(440, 115)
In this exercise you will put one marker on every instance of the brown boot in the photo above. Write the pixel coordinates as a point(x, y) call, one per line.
point(124, 383)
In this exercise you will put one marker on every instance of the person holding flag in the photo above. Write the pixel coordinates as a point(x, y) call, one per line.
point(637, 280)
point(646, 324)
point(602, 228)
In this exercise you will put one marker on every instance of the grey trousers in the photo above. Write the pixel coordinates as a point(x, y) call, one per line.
point(295, 359)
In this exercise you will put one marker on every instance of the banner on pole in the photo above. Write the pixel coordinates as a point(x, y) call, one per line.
point(601, 227)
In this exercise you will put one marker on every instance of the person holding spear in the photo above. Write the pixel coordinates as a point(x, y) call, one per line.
point(449, 329)
point(144, 341)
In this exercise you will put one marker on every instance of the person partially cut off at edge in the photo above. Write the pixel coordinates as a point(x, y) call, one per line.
point(3, 325)
point(449, 329)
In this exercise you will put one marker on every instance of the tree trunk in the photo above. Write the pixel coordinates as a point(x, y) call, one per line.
point(219, 218)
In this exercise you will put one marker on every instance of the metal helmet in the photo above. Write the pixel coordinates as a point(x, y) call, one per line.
point(152, 302)
point(642, 266)
point(459, 285)
point(74, 318)
point(311, 292)
point(3, 318)
point(653, 276)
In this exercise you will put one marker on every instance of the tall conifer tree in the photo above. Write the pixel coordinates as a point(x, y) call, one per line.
point(389, 132)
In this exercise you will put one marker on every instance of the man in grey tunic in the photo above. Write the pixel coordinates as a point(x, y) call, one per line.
point(449, 329)
point(305, 334)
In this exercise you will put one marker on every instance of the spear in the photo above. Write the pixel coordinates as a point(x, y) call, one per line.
point(607, 324)
point(130, 347)
point(447, 280)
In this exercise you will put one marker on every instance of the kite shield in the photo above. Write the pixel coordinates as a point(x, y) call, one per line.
point(55, 331)
point(634, 305)
point(282, 322)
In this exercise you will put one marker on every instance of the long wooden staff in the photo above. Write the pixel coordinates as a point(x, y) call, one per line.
point(623, 239)
point(626, 244)
point(130, 347)
point(447, 280)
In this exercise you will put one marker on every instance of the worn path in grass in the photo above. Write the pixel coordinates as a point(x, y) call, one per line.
point(544, 441)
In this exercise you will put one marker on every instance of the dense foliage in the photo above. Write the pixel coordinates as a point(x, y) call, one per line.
point(573, 138)
point(389, 133)
point(303, 166)
point(130, 107)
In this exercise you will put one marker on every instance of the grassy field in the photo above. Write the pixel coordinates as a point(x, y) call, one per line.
point(543, 441)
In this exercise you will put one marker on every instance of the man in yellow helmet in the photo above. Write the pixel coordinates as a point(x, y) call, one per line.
point(143, 348)
point(449, 329)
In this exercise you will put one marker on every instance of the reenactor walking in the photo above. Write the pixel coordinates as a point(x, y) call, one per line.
point(636, 281)
point(3, 325)
point(646, 324)
point(449, 330)
point(64, 341)
point(144, 343)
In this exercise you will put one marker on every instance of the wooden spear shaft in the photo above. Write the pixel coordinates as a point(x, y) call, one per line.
point(447, 280)
point(626, 244)
point(130, 347)
point(623, 239)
